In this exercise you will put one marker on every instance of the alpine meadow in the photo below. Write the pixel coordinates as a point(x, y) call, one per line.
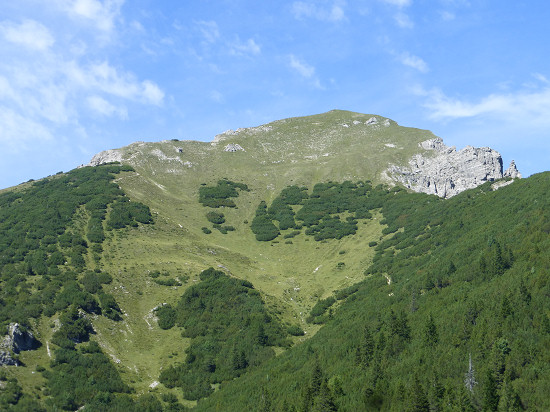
point(334, 262)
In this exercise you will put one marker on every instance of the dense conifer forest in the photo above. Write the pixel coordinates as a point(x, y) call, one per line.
point(453, 315)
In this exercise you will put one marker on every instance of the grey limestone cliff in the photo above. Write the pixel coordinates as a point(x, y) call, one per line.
point(445, 172)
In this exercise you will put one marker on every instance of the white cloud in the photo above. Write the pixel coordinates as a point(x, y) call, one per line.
point(447, 15)
point(104, 108)
point(16, 129)
point(40, 97)
point(403, 20)
point(217, 97)
point(334, 12)
point(29, 34)
point(250, 47)
point(102, 14)
point(106, 78)
point(209, 30)
point(303, 69)
point(151, 93)
point(541, 78)
point(526, 106)
point(414, 61)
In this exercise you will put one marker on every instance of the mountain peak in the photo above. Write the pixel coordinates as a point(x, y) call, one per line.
point(336, 145)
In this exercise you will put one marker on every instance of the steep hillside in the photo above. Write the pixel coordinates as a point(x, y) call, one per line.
point(107, 267)
point(453, 315)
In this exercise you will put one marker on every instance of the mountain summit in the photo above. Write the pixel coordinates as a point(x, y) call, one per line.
point(336, 145)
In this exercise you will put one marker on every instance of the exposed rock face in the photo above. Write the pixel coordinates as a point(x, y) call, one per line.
point(512, 171)
point(449, 172)
point(233, 147)
point(16, 341)
point(106, 156)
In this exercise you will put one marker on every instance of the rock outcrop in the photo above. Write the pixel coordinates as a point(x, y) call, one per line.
point(233, 147)
point(106, 156)
point(512, 171)
point(447, 172)
point(15, 341)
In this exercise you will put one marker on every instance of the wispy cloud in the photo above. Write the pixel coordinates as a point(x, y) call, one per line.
point(214, 42)
point(38, 99)
point(525, 106)
point(16, 130)
point(414, 61)
point(333, 12)
point(106, 78)
point(541, 78)
point(403, 20)
point(101, 106)
point(240, 48)
point(301, 67)
point(29, 34)
point(447, 15)
point(209, 30)
point(304, 69)
point(101, 14)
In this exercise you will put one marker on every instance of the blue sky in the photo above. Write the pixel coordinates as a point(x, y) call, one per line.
point(81, 76)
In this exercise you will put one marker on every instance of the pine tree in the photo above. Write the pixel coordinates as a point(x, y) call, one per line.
point(261, 337)
point(317, 378)
point(419, 400)
point(239, 359)
point(436, 392)
point(324, 402)
point(490, 393)
point(366, 349)
point(499, 265)
point(430, 335)
point(509, 400)
point(524, 292)
point(506, 307)
point(265, 400)
point(414, 304)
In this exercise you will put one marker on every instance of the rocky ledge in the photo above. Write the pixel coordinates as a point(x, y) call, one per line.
point(445, 172)
point(15, 341)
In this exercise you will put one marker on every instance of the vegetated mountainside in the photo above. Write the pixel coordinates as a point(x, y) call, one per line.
point(194, 267)
point(453, 315)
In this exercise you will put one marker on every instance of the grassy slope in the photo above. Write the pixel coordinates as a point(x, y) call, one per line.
point(293, 151)
point(299, 151)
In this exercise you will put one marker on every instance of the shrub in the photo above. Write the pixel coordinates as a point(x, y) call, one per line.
point(215, 217)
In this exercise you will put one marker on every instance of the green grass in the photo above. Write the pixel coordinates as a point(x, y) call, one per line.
point(291, 277)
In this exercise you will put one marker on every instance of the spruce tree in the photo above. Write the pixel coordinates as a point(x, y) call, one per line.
point(490, 393)
point(419, 400)
point(324, 402)
point(430, 334)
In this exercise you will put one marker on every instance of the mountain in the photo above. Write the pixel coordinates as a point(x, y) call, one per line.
point(297, 265)
point(336, 145)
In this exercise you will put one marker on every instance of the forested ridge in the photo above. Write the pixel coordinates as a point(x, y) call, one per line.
point(453, 313)
point(51, 236)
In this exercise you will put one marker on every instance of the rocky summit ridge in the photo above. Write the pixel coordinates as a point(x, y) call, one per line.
point(335, 145)
point(447, 172)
